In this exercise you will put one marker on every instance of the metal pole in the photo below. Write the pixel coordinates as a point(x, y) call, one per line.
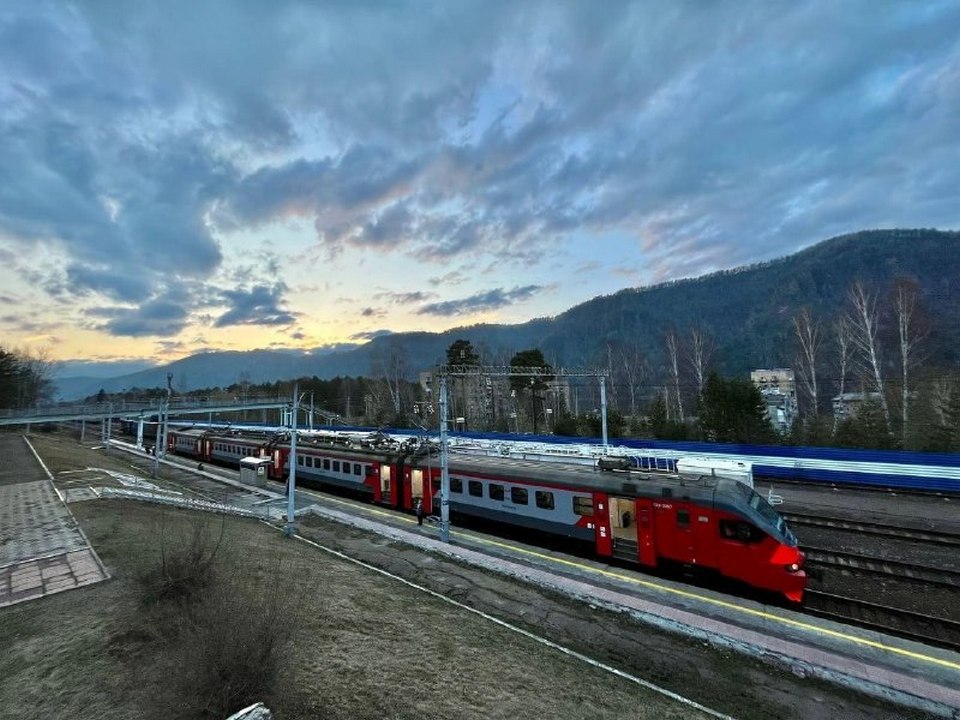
point(108, 427)
point(603, 408)
point(444, 464)
point(290, 529)
point(140, 432)
point(157, 439)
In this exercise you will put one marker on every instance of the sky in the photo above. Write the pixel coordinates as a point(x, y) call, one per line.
point(178, 177)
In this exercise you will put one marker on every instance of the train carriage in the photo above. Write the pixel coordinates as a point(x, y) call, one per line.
point(712, 523)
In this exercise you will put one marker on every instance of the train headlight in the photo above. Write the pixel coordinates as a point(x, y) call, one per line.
point(793, 567)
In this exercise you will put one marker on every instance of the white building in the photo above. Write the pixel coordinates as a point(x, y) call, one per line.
point(779, 390)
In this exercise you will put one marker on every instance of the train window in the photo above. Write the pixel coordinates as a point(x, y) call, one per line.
point(544, 499)
point(741, 531)
point(583, 505)
point(475, 488)
point(326, 463)
point(336, 466)
point(495, 491)
point(518, 496)
point(683, 518)
point(300, 459)
point(456, 485)
point(356, 469)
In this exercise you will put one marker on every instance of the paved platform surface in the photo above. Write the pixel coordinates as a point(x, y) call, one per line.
point(906, 672)
point(42, 549)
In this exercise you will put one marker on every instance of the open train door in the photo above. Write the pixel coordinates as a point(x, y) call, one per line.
point(623, 528)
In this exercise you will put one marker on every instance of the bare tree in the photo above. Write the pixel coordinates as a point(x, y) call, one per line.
point(701, 353)
point(844, 348)
point(627, 368)
point(674, 368)
point(941, 391)
point(864, 329)
point(810, 338)
point(909, 335)
point(389, 364)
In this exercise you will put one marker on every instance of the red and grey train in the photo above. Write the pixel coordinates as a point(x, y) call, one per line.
point(649, 518)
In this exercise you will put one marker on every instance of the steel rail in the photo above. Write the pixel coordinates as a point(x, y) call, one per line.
point(894, 621)
point(934, 537)
point(882, 566)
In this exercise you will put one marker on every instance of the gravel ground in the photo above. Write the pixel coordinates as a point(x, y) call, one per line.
point(904, 594)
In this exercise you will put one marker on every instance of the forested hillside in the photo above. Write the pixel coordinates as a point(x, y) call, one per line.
point(749, 311)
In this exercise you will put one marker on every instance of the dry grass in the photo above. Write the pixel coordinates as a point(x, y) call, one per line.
point(367, 648)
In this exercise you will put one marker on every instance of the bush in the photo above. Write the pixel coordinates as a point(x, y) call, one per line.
point(231, 653)
point(222, 618)
point(186, 561)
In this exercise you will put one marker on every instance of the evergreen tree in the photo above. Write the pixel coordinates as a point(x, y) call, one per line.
point(534, 385)
point(733, 411)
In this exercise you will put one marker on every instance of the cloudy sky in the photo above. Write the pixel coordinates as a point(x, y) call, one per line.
point(178, 176)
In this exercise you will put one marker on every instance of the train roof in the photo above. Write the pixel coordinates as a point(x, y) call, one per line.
point(614, 482)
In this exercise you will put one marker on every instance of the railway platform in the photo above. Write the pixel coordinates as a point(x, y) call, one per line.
point(42, 549)
point(891, 668)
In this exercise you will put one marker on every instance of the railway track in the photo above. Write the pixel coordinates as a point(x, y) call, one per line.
point(903, 623)
point(932, 537)
point(880, 566)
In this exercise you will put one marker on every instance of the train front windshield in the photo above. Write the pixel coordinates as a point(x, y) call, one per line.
point(769, 515)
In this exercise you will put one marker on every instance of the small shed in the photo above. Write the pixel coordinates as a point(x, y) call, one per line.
point(254, 470)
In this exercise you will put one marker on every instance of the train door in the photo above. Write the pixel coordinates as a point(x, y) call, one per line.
point(684, 523)
point(648, 545)
point(705, 536)
point(601, 527)
point(672, 530)
point(385, 483)
point(623, 528)
point(416, 486)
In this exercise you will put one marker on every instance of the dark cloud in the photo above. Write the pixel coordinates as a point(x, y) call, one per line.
point(489, 300)
point(134, 135)
point(404, 298)
point(157, 317)
point(370, 312)
point(260, 305)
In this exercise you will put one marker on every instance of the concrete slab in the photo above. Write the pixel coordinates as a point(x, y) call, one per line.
point(42, 548)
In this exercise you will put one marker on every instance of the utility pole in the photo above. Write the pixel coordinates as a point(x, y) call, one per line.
point(444, 371)
point(603, 409)
point(444, 463)
point(291, 529)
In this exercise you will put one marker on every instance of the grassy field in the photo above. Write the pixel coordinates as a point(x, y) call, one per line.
point(364, 646)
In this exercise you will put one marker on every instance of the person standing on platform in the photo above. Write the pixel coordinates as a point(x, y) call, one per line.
point(419, 511)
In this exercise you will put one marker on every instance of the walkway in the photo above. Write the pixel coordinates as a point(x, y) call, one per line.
point(42, 549)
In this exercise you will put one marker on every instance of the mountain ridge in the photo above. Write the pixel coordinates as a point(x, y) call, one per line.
point(748, 310)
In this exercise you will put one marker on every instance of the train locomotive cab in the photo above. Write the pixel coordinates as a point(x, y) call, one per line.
point(756, 545)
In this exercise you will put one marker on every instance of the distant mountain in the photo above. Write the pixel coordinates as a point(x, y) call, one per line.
point(748, 311)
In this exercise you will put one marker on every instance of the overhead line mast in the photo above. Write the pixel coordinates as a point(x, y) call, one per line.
point(445, 371)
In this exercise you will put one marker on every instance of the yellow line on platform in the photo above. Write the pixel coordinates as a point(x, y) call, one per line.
point(686, 594)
